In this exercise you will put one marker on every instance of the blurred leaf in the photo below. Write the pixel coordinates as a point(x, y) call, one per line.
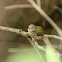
point(29, 55)
point(51, 55)
point(25, 56)
point(2, 60)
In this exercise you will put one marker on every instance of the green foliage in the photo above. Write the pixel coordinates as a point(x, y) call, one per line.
point(51, 55)
point(31, 56)
point(2, 60)
point(24, 56)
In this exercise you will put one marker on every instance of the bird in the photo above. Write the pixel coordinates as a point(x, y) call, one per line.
point(34, 30)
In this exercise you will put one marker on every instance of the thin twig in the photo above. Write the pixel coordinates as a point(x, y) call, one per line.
point(18, 6)
point(53, 36)
point(59, 31)
point(37, 45)
point(17, 31)
point(39, 3)
point(56, 7)
point(46, 41)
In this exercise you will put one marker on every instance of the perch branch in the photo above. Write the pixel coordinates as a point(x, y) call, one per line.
point(17, 31)
point(23, 33)
point(59, 31)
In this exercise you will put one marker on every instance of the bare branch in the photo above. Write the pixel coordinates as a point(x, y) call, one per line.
point(17, 31)
point(18, 6)
point(56, 7)
point(59, 31)
point(46, 41)
point(36, 44)
point(23, 33)
point(53, 36)
point(39, 3)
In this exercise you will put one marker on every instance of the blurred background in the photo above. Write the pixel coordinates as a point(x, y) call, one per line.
point(20, 18)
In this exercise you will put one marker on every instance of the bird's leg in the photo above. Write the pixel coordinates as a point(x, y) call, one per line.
point(35, 42)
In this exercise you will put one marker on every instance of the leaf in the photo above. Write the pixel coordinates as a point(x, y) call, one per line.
point(51, 55)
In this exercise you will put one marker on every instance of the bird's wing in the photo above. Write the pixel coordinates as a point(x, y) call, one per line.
point(39, 30)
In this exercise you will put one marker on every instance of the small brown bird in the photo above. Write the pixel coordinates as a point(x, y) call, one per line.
point(34, 30)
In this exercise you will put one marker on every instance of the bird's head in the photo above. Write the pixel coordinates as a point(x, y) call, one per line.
point(31, 28)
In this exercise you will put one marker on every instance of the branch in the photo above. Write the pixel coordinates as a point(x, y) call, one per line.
point(39, 3)
point(53, 36)
point(59, 31)
point(17, 31)
point(56, 7)
point(18, 6)
point(25, 34)
point(46, 41)
point(36, 44)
